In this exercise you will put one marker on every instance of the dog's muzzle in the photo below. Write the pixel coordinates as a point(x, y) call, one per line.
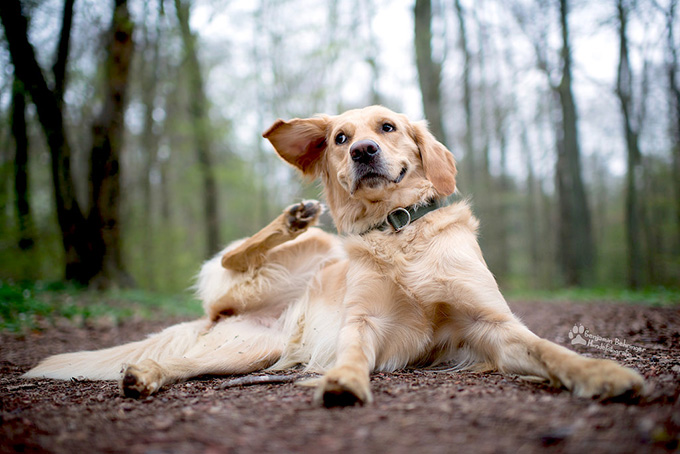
point(369, 167)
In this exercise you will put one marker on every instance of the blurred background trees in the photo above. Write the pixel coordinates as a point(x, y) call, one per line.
point(130, 145)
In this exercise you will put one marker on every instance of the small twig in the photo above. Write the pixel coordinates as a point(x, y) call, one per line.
point(249, 380)
point(21, 386)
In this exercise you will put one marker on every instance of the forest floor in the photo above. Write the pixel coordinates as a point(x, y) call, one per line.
point(415, 411)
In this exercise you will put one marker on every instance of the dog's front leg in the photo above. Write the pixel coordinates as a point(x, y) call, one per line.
point(512, 348)
point(496, 338)
point(359, 342)
point(348, 382)
point(480, 321)
point(585, 377)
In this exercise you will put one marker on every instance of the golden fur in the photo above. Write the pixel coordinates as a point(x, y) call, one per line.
point(369, 300)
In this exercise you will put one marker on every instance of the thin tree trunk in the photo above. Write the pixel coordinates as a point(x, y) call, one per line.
point(505, 184)
point(148, 74)
point(263, 53)
point(429, 71)
point(488, 193)
point(532, 202)
point(59, 67)
point(484, 167)
point(577, 249)
point(547, 212)
point(500, 203)
point(201, 129)
point(21, 183)
point(470, 166)
point(673, 66)
point(107, 144)
point(167, 212)
point(624, 92)
point(652, 219)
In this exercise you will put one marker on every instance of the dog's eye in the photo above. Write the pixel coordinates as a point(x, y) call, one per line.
point(388, 127)
point(340, 138)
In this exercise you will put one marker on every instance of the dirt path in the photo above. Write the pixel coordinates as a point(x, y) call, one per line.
point(414, 411)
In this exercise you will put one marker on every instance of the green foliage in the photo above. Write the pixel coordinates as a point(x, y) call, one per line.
point(19, 308)
point(653, 296)
point(32, 306)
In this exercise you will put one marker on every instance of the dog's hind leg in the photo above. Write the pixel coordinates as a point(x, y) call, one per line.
point(106, 364)
point(236, 346)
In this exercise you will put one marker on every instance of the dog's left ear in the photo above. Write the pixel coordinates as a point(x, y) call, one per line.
point(300, 142)
point(438, 162)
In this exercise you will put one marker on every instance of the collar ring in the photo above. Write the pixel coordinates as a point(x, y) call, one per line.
point(399, 219)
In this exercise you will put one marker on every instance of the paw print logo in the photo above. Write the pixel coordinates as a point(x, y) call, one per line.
point(576, 335)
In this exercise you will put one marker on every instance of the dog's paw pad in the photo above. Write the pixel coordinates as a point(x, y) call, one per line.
point(130, 386)
point(303, 214)
point(340, 398)
point(342, 388)
point(134, 385)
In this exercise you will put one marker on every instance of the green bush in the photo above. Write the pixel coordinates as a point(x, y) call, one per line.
point(28, 306)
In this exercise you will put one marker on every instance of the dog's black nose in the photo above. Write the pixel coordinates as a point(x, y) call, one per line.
point(364, 150)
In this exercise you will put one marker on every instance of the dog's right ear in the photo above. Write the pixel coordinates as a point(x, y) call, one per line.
point(300, 142)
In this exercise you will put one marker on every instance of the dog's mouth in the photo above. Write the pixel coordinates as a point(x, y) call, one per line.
point(371, 177)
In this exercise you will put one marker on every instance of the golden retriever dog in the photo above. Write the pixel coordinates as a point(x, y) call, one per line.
point(403, 285)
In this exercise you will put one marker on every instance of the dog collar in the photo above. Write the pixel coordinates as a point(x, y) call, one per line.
point(400, 218)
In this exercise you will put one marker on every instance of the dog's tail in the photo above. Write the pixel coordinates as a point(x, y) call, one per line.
point(107, 364)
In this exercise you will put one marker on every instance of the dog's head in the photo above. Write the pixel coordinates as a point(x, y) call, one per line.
point(370, 160)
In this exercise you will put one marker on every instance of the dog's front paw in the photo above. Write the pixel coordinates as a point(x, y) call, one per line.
point(141, 380)
point(343, 387)
point(604, 379)
point(303, 215)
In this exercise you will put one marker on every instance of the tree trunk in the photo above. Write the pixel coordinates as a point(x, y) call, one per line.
point(201, 129)
point(151, 174)
point(107, 144)
point(469, 155)
point(624, 92)
point(576, 247)
point(429, 71)
point(532, 201)
point(502, 190)
point(674, 101)
point(59, 68)
point(21, 186)
point(75, 236)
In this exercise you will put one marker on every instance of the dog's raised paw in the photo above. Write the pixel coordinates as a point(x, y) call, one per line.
point(302, 215)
